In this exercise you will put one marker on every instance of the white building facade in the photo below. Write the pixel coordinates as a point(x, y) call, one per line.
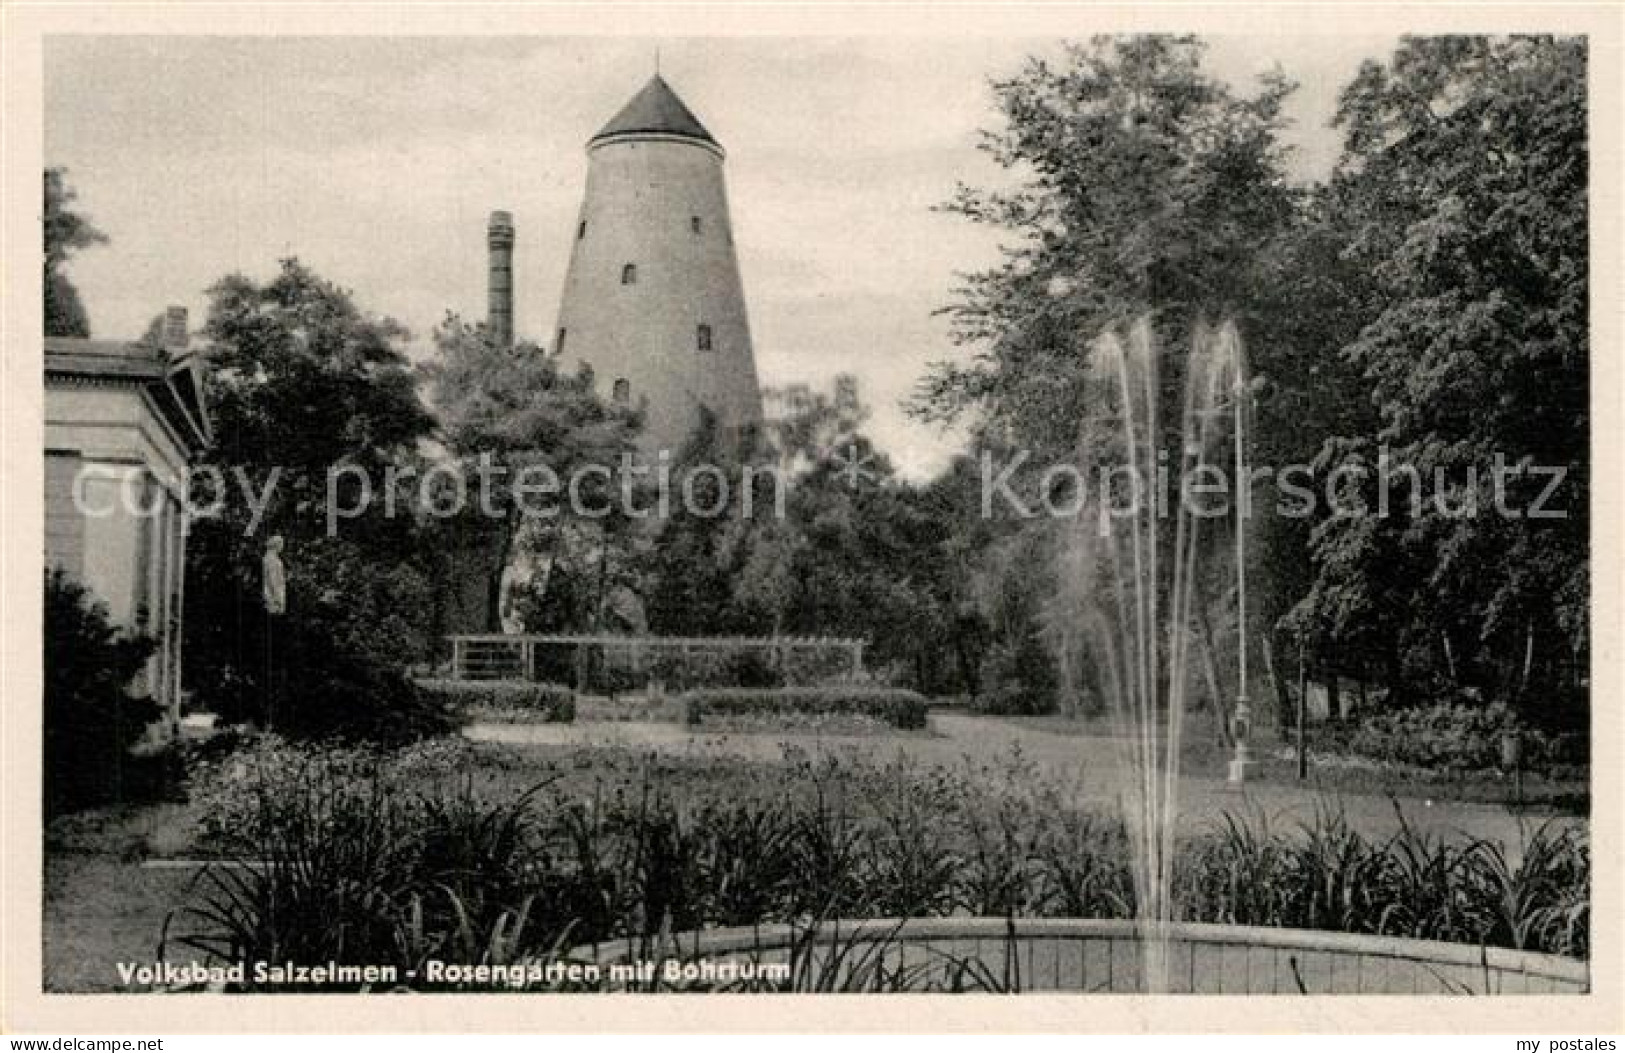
point(122, 423)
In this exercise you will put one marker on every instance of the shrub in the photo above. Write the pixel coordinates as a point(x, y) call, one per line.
point(347, 868)
point(815, 665)
point(236, 798)
point(613, 672)
point(515, 701)
point(752, 667)
point(913, 863)
point(239, 796)
point(91, 719)
point(1454, 736)
point(1018, 677)
point(315, 676)
point(898, 707)
point(353, 698)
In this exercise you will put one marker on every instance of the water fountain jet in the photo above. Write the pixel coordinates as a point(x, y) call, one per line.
point(1133, 576)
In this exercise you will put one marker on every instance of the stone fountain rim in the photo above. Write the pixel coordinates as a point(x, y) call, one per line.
point(782, 935)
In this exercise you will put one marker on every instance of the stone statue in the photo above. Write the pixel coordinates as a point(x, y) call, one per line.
point(273, 578)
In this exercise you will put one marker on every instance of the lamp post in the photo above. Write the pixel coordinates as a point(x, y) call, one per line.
point(1241, 718)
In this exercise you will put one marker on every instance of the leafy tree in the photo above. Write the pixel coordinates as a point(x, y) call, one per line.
point(1153, 187)
point(510, 413)
point(955, 561)
point(1313, 299)
point(313, 403)
point(1462, 193)
point(853, 553)
point(66, 232)
point(702, 549)
point(858, 569)
point(1019, 672)
point(1147, 188)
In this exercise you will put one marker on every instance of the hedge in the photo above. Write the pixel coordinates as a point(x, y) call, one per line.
point(541, 703)
point(625, 669)
point(897, 706)
point(1454, 736)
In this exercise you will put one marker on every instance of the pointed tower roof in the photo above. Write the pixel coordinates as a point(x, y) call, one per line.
point(656, 110)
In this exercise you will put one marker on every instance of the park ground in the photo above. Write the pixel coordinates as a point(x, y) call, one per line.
point(114, 876)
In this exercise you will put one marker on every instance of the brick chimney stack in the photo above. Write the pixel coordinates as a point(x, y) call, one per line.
point(175, 335)
point(500, 238)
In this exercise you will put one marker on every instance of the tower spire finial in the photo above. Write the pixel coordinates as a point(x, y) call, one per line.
point(657, 62)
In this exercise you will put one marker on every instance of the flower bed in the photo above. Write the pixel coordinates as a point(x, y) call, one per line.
point(475, 854)
point(896, 706)
point(511, 701)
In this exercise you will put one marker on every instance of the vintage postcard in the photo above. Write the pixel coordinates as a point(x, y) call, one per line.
point(774, 517)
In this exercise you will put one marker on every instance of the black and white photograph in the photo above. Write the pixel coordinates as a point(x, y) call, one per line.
point(1103, 512)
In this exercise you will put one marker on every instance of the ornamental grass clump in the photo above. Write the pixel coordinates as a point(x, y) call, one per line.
point(1536, 899)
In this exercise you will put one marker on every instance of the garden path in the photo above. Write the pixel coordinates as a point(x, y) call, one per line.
point(1089, 765)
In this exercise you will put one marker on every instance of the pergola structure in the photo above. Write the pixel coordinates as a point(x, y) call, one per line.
point(505, 656)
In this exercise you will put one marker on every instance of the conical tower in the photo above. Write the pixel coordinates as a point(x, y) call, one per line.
point(652, 299)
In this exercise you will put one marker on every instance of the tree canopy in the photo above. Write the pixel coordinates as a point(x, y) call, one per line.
point(1423, 308)
point(305, 383)
point(66, 232)
point(1421, 311)
point(1144, 185)
point(514, 409)
point(1462, 193)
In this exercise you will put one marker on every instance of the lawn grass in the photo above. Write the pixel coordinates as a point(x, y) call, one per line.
point(101, 905)
point(1203, 755)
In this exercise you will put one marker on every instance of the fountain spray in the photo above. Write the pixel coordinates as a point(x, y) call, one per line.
point(1133, 578)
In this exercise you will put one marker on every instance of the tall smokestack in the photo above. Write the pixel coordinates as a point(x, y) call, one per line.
point(499, 236)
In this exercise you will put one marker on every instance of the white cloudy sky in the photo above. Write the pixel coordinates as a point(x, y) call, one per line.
point(376, 161)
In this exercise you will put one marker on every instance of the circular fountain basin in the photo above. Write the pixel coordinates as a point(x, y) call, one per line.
point(1087, 955)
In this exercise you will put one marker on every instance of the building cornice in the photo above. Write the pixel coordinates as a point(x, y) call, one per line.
point(621, 138)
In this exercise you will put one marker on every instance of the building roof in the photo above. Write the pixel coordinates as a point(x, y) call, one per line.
point(103, 358)
point(656, 110)
point(175, 378)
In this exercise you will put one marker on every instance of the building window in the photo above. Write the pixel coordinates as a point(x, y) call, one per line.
point(581, 231)
point(702, 338)
point(558, 345)
point(629, 274)
point(622, 392)
point(694, 224)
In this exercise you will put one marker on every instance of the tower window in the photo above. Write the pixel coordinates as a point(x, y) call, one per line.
point(558, 345)
point(622, 391)
point(581, 231)
point(629, 274)
point(694, 224)
point(702, 338)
